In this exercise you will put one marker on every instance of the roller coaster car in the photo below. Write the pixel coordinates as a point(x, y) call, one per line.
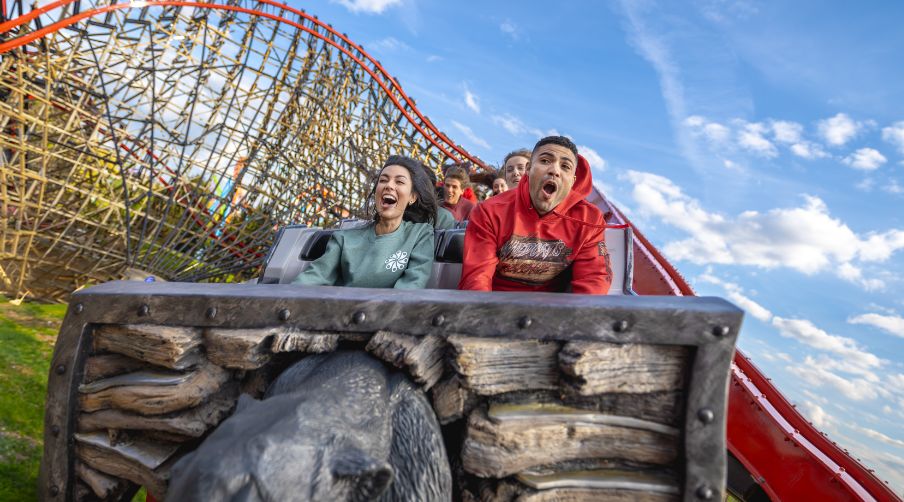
point(541, 396)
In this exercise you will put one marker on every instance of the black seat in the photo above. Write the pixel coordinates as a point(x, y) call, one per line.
point(451, 248)
point(316, 246)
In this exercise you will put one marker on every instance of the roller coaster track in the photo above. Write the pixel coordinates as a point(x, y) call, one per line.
point(131, 136)
point(171, 138)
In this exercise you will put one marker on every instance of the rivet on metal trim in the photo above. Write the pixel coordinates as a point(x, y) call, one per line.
point(525, 322)
point(144, 310)
point(61, 369)
point(359, 317)
point(439, 320)
point(79, 308)
point(704, 492)
point(211, 312)
point(706, 415)
point(620, 326)
point(721, 331)
point(284, 315)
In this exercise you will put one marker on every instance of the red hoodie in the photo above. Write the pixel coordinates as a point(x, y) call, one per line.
point(509, 247)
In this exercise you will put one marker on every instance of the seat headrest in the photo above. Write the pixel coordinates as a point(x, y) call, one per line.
point(316, 246)
point(450, 248)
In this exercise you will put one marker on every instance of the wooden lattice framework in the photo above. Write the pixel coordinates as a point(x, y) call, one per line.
point(171, 138)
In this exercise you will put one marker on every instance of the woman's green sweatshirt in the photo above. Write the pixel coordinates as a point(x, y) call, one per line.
point(360, 258)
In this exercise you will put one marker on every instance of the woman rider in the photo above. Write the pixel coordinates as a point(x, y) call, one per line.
point(396, 249)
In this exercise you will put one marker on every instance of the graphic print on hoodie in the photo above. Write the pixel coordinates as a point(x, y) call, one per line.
point(532, 260)
point(509, 247)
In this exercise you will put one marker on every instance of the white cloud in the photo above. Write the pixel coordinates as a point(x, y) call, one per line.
point(471, 100)
point(807, 333)
point(388, 44)
point(473, 138)
point(510, 28)
point(736, 294)
point(808, 150)
point(816, 414)
point(516, 127)
point(752, 138)
point(874, 434)
point(807, 238)
point(854, 274)
point(839, 129)
point(434, 58)
point(866, 159)
point(712, 131)
point(890, 323)
point(787, 132)
point(595, 160)
point(812, 373)
point(894, 134)
point(367, 6)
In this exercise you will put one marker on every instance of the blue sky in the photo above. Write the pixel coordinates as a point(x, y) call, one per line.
point(760, 145)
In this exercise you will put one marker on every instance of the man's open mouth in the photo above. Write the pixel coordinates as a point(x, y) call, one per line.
point(549, 188)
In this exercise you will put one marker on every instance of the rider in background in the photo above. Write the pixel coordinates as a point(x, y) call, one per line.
point(515, 166)
point(454, 184)
point(393, 251)
point(542, 235)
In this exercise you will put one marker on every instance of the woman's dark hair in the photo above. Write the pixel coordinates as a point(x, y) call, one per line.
point(424, 208)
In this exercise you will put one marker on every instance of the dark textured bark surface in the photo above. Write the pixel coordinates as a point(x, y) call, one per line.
point(331, 427)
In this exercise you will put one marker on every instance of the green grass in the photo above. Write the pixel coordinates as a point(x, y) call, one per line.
point(27, 334)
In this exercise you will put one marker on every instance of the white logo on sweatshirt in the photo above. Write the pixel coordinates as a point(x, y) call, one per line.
point(397, 261)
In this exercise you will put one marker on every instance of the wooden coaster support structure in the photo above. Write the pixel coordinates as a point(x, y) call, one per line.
point(172, 138)
point(542, 396)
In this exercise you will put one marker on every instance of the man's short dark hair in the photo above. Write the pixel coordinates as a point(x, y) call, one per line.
point(558, 140)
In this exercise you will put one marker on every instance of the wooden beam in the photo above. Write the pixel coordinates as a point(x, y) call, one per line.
point(599, 367)
point(495, 365)
point(171, 347)
point(239, 348)
point(421, 356)
point(502, 447)
point(158, 399)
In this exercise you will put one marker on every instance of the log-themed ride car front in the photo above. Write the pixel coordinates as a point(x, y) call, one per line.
point(541, 396)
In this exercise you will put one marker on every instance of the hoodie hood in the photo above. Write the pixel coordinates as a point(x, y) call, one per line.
point(583, 184)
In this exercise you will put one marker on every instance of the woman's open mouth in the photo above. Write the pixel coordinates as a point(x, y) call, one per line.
point(387, 201)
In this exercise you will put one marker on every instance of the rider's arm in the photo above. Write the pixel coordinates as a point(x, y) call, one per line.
point(323, 271)
point(480, 258)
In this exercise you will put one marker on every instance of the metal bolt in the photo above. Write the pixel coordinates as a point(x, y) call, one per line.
point(54, 490)
point(55, 429)
point(704, 492)
point(525, 322)
point(61, 369)
point(439, 320)
point(706, 415)
point(721, 331)
point(620, 326)
point(359, 317)
point(144, 310)
point(284, 315)
point(79, 308)
point(211, 312)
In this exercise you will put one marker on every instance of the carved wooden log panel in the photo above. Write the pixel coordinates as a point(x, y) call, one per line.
point(557, 408)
